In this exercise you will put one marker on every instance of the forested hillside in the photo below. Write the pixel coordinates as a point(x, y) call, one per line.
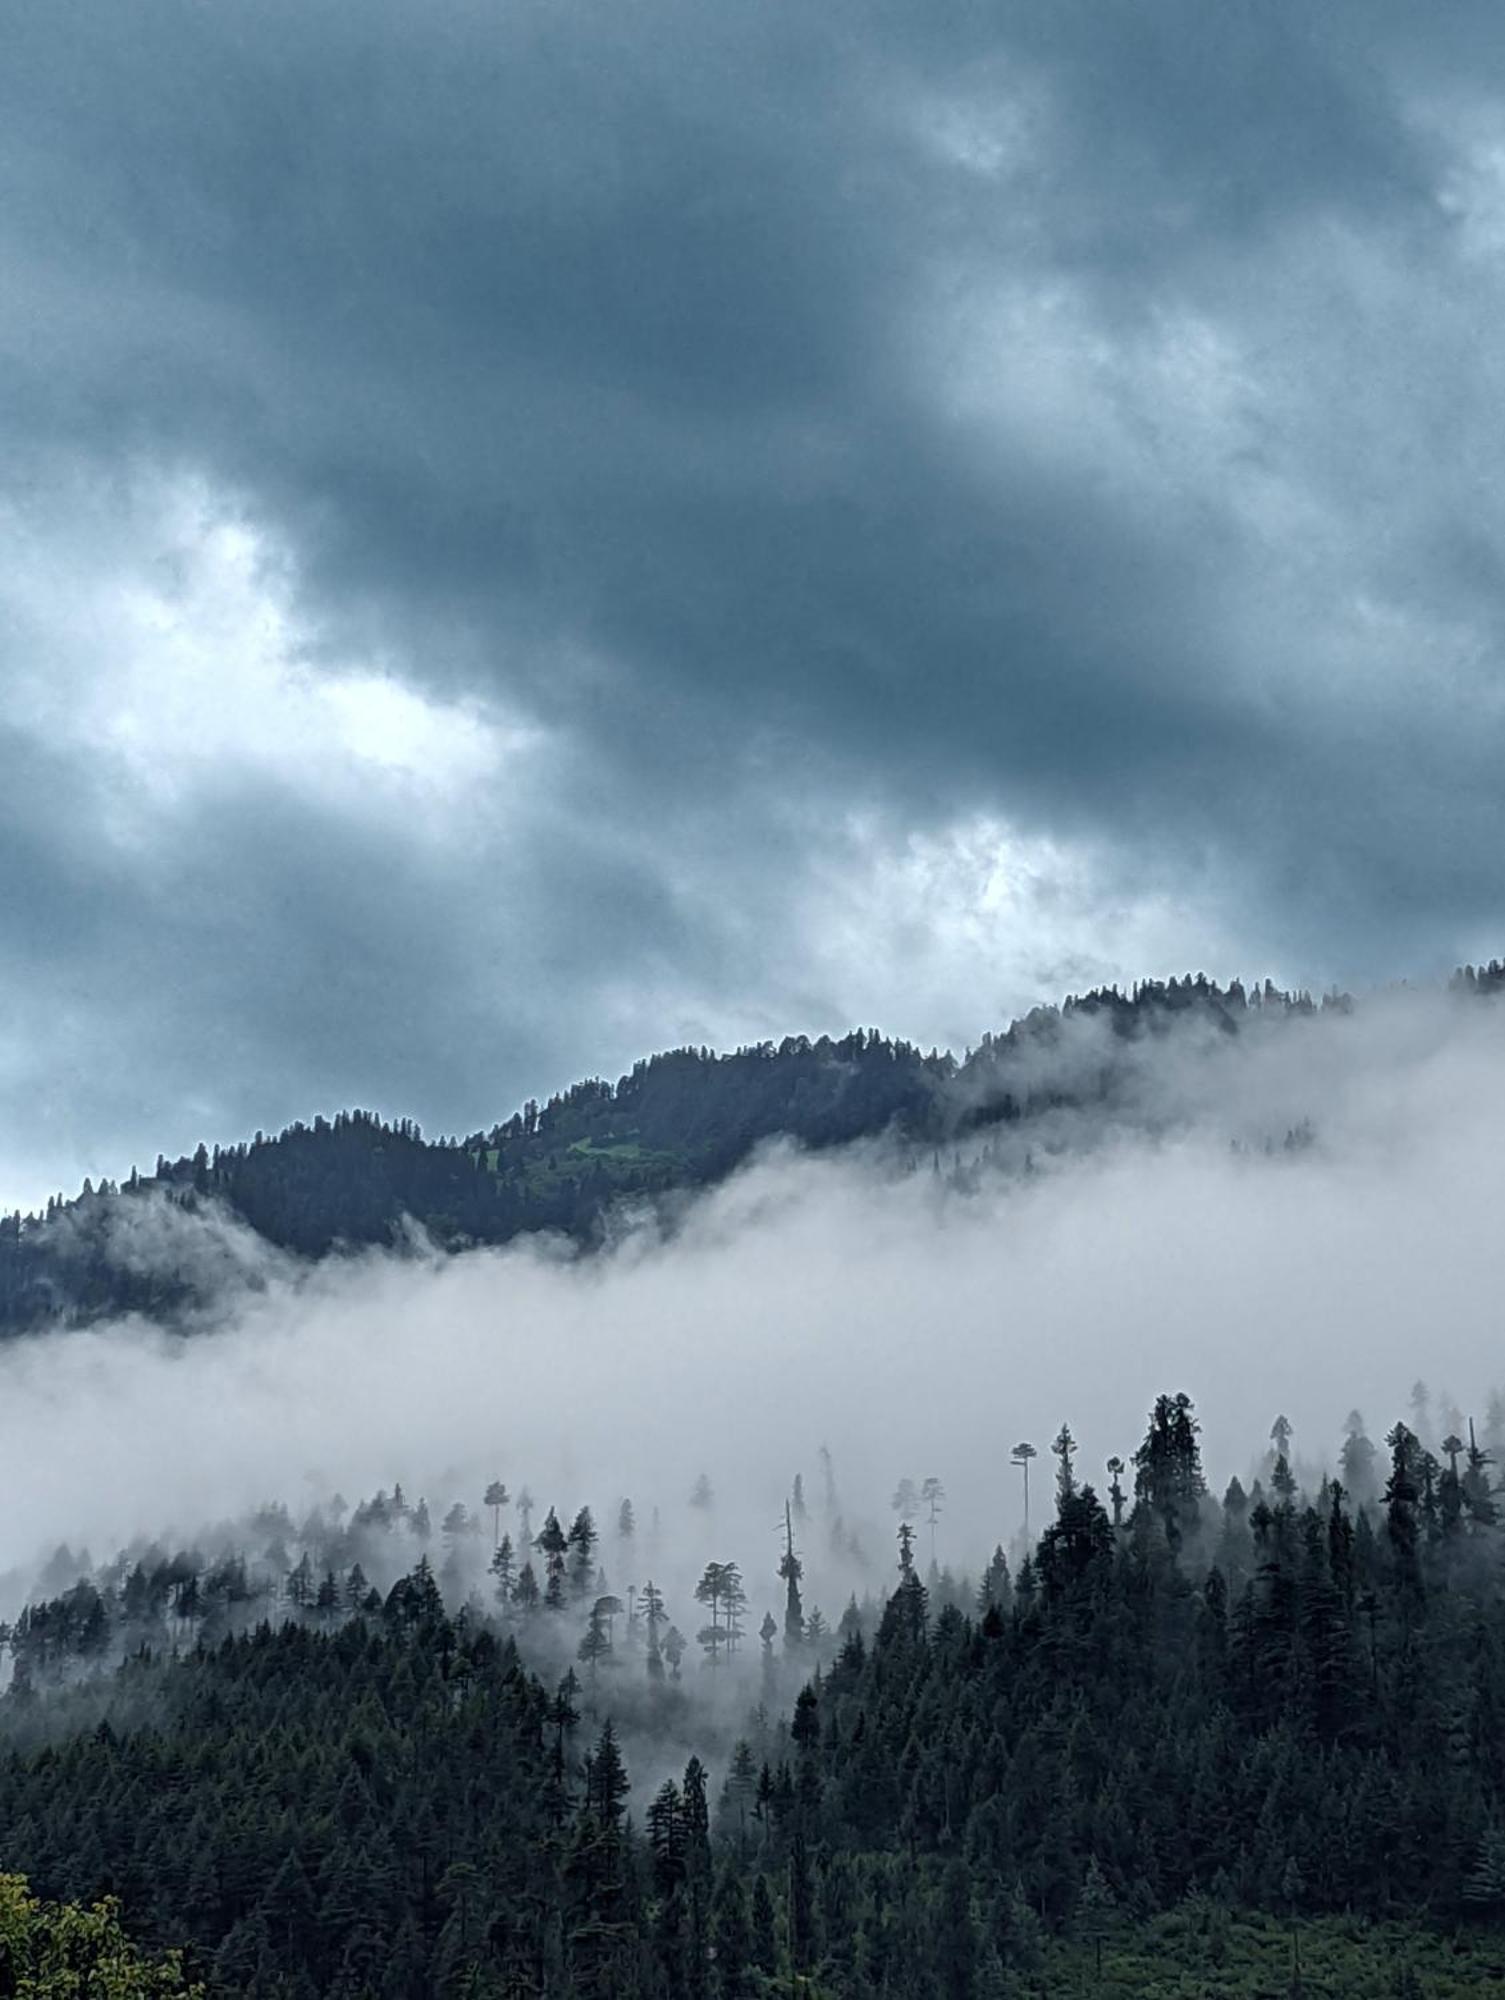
point(497, 1741)
point(677, 1121)
point(1179, 1746)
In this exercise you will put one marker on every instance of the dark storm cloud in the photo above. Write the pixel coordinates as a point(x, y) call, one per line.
point(1083, 418)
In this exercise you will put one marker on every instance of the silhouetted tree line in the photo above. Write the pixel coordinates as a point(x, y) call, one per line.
point(549, 1587)
point(1178, 1713)
point(677, 1120)
point(1479, 978)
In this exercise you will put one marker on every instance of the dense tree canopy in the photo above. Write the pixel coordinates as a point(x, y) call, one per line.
point(1208, 1737)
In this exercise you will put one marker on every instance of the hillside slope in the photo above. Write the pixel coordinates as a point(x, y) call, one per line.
point(679, 1120)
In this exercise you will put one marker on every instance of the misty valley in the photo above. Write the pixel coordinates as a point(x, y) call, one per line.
point(742, 1531)
point(752, 1096)
point(370, 1751)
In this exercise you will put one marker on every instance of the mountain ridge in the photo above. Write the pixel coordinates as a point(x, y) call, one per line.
point(678, 1120)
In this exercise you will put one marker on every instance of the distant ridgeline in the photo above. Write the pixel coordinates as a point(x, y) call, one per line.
point(679, 1120)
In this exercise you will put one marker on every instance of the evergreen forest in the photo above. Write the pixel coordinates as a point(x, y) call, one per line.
point(563, 1745)
point(1168, 1744)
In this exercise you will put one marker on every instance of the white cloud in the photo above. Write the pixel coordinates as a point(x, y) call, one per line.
point(155, 632)
point(941, 935)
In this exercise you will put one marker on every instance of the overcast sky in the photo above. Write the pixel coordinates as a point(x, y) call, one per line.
point(530, 533)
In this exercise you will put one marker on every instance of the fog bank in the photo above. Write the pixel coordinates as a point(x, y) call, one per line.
point(857, 1301)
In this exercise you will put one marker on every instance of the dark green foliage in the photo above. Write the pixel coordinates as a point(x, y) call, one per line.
point(323, 1805)
point(679, 1120)
point(1217, 1750)
point(1168, 1482)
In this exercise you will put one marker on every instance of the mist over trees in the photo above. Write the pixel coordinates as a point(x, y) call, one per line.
point(746, 1618)
point(356, 1753)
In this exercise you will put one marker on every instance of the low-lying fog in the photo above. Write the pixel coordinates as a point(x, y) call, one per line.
point(853, 1301)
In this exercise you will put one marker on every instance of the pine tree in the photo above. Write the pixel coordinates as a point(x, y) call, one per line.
point(740, 1789)
point(1168, 1481)
point(731, 1933)
point(932, 1494)
point(608, 1795)
point(595, 1646)
point(665, 1828)
point(652, 1602)
point(1356, 1461)
point(791, 1569)
point(801, 1903)
point(1478, 1494)
point(504, 1571)
point(496, 1498)
point(1402, 1494)
point(581, 1543)
point(526, 1595)
point(765, 1929)
point(697, 1878)
point(300, 1583)
point(720, 1589)
point(564, 1717)
point(906, 1549)
point(1116, 1470)
point(1063, 1448)
point(953, 1950)
point(996, 1591)
point(552, 1542)
point(1094, 1911)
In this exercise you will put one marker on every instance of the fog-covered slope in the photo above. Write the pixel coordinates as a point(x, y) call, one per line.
point(677, 1121)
